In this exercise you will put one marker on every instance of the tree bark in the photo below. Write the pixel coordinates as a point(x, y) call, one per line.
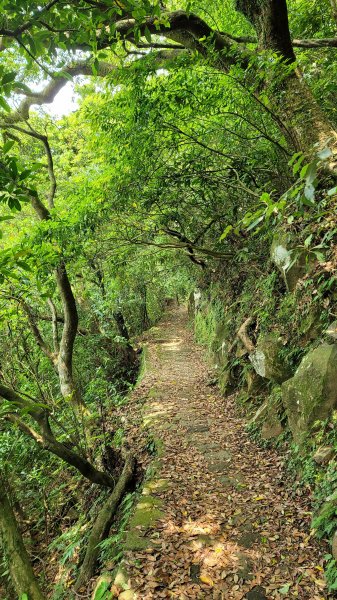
point(69, 389)
point(19, 564)
point(103, 523)
point(63, 359)
point(309, 128)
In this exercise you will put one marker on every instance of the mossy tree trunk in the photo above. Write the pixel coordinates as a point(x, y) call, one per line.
point(103, 523)
point(20, 568)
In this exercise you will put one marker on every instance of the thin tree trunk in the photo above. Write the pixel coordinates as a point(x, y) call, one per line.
point(19, 565)
point(103, 523)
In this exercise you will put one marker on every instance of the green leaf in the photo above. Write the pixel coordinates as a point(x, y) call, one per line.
point(8, 146)
point(255, 223)
point(4, 104)
point(8, 77)
point(294, 158)
point(285, 588)
point(309, 192)
point(225, 233)
point(102, 592)
point(147, 34)
point(23, 265)
point(265, 197)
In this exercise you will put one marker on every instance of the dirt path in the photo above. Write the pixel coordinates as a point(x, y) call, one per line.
point(231, 526)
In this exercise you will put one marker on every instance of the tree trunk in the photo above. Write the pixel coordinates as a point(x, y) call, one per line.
point(69, 389)
point(20, 567)
point(270, 21)
point(103, 523)
point(309, 129)
point(121, 326)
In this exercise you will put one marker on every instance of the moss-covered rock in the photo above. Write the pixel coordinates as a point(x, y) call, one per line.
point(268, 418)
point(267, 359)
point(311, 394)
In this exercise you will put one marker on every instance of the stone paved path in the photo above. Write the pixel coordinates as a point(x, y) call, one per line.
point(226, 523)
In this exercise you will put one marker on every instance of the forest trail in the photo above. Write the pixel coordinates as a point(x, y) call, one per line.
point(231, 526)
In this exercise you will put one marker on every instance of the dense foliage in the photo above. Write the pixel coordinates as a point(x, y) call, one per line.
point(190, 149)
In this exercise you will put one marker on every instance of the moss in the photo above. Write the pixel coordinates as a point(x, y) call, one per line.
point(147, 502)
point(134, 541)
point(143, 364)
point(156, 486)
point(145, 517)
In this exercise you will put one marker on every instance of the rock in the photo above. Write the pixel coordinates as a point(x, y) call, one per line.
point(266, 359)
point(191, 306)
point(260, 415)
point(245, 567)
point(248, 539)
point(195, 573)
point(197, 298)
point(334, 545)
point(254, 381)
point(292, 269)
point(323, 455)
point(122, 579)
point(271, 429)
point(331, 332)
point(218, 466)
point(267, 416)
point(197, 428)
point(127, 595)
point(311, 394)
point(257, 593)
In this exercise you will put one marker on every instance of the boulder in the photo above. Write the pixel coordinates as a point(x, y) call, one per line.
point(267, 417)
point(311, 394)
point(260, 415)
point(191, 306)
point(266, 358)
point(197, 298)
point(323, 455)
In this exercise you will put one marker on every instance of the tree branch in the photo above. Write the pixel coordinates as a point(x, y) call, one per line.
point(189, 246)
point(36, 332)
point(47, 95)
point(48, 441)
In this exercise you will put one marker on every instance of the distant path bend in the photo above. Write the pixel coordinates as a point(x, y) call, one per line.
point(232, 527)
